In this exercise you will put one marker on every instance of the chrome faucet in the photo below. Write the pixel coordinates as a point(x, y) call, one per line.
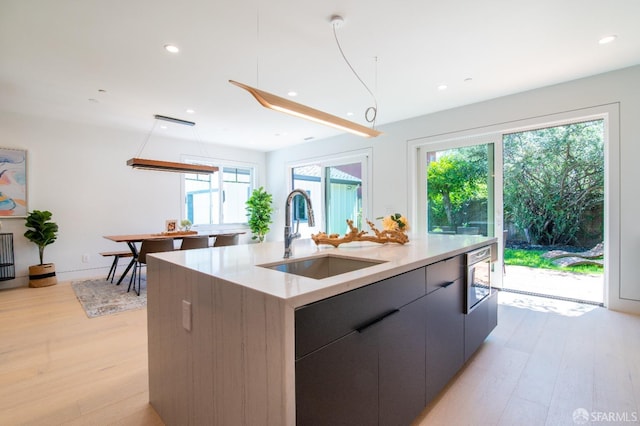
point(288, 235)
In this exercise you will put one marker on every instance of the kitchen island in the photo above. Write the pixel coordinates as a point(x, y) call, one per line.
point(234, 341)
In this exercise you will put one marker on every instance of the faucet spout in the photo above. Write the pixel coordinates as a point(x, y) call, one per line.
point(289, 236)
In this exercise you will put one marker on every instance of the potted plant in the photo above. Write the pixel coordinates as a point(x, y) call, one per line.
point(41, 232)
point(259, 212)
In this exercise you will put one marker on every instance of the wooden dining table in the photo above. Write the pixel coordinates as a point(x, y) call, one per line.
point(132, 239)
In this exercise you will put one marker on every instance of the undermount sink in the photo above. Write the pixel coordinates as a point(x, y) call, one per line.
point(322, 266)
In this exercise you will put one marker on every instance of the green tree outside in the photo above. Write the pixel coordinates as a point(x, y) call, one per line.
point(457, 179)
point(553, 179)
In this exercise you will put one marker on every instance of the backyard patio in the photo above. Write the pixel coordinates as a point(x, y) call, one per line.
point(554, 283)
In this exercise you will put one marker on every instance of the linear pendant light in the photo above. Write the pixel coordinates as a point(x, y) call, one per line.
point(276, 103)
point(170, 166)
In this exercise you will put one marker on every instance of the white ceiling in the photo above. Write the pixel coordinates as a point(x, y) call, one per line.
point(57, 55)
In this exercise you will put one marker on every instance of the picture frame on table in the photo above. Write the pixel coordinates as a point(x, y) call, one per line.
point(13, 183)
point(171, 225)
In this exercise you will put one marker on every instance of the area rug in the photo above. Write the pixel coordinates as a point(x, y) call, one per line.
point(100, 297)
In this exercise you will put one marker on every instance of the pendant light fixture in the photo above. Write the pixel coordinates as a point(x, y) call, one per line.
point(168, 166)
point(277, 103)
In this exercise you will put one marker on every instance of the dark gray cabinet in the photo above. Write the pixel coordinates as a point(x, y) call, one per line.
point(325, 321)
point(379, 354)
point(401, 360)
point(360, 358)
point(479, 323)
point(445, 323)
point(444, 272)
point(338, 384)
point(445, 336)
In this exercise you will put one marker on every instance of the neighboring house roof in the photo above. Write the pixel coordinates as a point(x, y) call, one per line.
point(313, 173)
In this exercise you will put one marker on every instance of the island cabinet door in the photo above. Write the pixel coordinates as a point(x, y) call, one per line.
point(479, 323)
point(445, 336)
point(401, 362)
point(373, 376)
point(338, 384)
point(360, 356)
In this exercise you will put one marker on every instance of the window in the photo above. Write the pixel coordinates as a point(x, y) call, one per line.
point(307, 178)
point(460, 190)
point(338, 190)
point(300, 211)
point(218, 198)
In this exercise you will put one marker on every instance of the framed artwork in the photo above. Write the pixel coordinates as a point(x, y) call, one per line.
point(13, 183)
point(171, 225)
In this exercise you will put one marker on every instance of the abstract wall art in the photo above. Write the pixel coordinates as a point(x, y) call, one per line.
point(13, 183)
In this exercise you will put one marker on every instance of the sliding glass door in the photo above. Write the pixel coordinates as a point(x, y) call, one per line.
point(457, 194)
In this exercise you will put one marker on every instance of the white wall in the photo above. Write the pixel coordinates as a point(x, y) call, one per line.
point(390, 168)
point(79, 173)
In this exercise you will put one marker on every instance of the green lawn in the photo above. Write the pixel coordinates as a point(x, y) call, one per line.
point(534, 259)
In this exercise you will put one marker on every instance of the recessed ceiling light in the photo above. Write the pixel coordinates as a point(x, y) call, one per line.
point(163, 127)
point(171, 48)
point(442, 87)
point(190, 111)
point(292, 93)
point(607, 39)
point(350, 114)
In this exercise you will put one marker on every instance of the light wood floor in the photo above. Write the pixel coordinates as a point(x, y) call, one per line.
point(545, 360)
point(57, 367)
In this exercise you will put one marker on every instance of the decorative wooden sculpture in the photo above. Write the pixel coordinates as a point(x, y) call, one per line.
point(382, 237)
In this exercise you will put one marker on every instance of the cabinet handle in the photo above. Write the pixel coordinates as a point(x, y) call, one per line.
point(445, 285)
point(376, 320)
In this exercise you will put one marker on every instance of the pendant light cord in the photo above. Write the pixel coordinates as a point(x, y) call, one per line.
point(153, 127)
point(155, 121)
point(258, 45)
point(374, 108)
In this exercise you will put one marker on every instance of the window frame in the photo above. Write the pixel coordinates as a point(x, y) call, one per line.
point(221, 164)
point(608, 112)
point(364, 157)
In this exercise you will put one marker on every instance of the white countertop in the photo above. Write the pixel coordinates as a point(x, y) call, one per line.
point(239, 264)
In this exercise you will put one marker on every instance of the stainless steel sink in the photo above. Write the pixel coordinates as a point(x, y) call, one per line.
point(322, 266)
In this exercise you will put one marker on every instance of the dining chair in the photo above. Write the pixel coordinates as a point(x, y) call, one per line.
point(226, 240)
point(195, 242)
point(148, 246)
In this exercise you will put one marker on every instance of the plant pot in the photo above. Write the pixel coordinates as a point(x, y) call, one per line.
point(42, 275)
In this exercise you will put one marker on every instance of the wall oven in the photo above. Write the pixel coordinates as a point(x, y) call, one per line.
point(478, 278)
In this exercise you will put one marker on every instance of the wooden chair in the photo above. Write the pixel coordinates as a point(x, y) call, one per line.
point(148, 246)
point(195, 242)
point(226, 240)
